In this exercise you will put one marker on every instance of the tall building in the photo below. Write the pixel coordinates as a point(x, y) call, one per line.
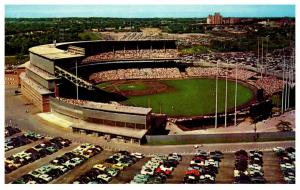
point(215, 19)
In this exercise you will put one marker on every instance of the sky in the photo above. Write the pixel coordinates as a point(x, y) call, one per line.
point(147, 11)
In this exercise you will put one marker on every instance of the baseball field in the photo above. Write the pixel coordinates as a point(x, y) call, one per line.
point(182, 97)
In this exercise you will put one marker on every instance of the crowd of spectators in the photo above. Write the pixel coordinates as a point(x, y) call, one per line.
point(270, 85)
point(144, 73)
point(213, 71)
point(132, 55)
point(73, 101)
point(242, 74)
point(204, 72)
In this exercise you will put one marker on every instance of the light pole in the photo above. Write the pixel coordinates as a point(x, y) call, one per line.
point(235, 94)
point(226, 96)
point(77, 81)
point(216, 116)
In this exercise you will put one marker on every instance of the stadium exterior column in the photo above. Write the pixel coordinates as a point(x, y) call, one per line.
point(216, 116)
point(56, 89)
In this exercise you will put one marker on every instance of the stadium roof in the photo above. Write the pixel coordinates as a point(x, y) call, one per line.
point(118, 108)
point(122, 131)
point(23, 65)
point(49, 51)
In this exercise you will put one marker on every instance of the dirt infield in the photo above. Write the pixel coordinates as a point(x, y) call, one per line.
point(152, 87)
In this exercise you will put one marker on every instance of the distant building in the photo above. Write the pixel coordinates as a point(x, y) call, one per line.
point(231, 20)
point(215, 19)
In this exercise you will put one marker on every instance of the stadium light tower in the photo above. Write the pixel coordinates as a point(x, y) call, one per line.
point(257, 65)
point(226, 95)
point(76, 82)
point(262, 57)
point(235, 94)
point(286, 85)
point(216, 116)
point(282, 94)
point(289, 85)
point(267, 50)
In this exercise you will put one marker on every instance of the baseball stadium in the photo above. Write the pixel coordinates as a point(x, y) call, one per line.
point(130, 89)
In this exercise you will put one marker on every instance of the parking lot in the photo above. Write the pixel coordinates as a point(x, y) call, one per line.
point(29, 167)
point(225, 176)
point(130, 168)
point(70, 176)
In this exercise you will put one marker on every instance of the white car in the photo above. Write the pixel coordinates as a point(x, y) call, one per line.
point(236, 173)
point(163, 168)
point(45, 177)
point(137, 155)
point(277, 149)
point(207, 176)
point(252, 173)
point(255, 166)
point(287, 166)
point(147, 171)
point(61, 168)
point(105, 177)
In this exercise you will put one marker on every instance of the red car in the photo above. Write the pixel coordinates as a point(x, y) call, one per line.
point(167, 172)
point(193, 172)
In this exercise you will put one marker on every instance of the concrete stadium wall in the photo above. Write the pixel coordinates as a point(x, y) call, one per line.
point(74, 111)
point(66, 109)
point(219, 138)
point(45, 83)
point(42, 63)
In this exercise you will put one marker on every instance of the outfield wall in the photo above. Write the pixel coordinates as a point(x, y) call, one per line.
point(219, 138)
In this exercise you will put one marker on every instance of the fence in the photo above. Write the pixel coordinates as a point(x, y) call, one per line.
point(219, 138)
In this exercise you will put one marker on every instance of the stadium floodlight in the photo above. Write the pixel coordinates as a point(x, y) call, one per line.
point(216, 116)
point(226, 94)
point(235, 94)
point(257, 65)
point(262, 57)
point(282, 94)
point(77, 81)
point(286, 87)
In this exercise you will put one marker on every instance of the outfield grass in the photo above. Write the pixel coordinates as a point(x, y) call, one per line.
point(192, 97)
point(103, 85)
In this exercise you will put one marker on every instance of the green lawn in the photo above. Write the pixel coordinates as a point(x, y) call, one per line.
point(192, 97)
point(103, 85)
